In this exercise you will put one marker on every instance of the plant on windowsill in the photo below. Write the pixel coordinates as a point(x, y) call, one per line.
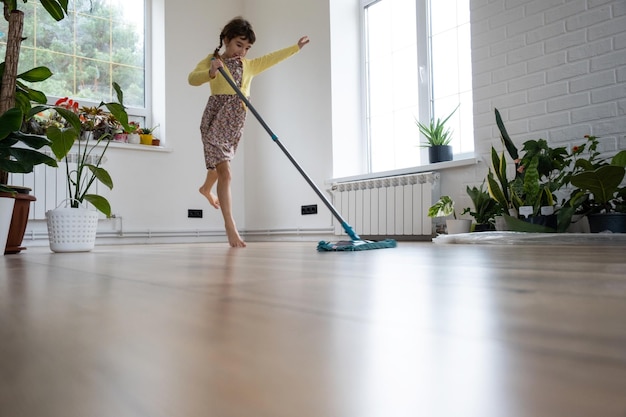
point(444, 207)
point(145, 135)
point(438, 137)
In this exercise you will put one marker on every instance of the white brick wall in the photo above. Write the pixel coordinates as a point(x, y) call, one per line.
point(556, 69)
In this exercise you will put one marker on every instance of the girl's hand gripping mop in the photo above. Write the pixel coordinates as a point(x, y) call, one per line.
point(355, 243)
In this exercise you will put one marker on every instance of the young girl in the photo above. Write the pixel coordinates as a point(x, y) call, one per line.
point(223, 119)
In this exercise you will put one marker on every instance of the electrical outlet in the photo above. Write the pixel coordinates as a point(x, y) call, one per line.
point(194, 213)
point(310, 209)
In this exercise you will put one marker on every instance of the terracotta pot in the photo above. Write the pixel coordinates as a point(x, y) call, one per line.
point(156, 142)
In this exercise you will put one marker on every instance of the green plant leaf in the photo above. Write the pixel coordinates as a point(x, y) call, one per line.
point(518, 225)
point(32, 141)
point(31, 157)
point(495, 191)
point(55, 9)
point(506, 139)
point(443, 207)
point(619, 159)
point(101, 174)
point(100, 203)
point(36, 74)
point(603, 182)
point(61, 140)
point(10, 121)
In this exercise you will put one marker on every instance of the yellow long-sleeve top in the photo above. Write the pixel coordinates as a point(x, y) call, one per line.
point(251, 67)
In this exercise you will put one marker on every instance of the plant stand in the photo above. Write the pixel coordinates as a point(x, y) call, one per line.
point(72, 229)
point(19, 220)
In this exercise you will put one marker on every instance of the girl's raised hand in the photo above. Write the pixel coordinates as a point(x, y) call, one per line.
point(303, 41)
point(215, 64)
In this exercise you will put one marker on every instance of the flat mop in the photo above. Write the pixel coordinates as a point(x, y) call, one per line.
point(355, 243)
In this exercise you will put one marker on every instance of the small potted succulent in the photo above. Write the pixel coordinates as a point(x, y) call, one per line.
point(438, 137)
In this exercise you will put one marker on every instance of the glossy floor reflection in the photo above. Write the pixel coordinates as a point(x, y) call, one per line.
point(279, 330)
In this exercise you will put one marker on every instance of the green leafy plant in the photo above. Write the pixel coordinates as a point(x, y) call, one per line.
point(485, 207)
point(436, 132)
point(16, 94)
point(442, 208)
point(598, 180)
point(88, 167)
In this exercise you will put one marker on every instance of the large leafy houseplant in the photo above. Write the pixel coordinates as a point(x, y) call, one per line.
point(539, 172)
point(16, 96)
point(598, 180)
point(87, 170)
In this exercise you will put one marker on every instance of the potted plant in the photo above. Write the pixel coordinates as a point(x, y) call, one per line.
point(529, 195)
point(81, 177)
point(486, 208)
point(444, 207)
point(17, 95)
point(438, 137)
point(145, 135)
point(599, 195)
point(18, 154)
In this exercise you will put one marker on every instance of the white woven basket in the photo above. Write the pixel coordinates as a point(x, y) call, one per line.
point(72, 229)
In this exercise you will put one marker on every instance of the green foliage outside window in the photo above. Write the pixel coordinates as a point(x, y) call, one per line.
point(89, 49)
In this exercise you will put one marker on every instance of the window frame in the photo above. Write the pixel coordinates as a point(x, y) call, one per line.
point(426, 100)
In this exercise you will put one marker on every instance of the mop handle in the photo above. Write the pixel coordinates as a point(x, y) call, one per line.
point(319, 193)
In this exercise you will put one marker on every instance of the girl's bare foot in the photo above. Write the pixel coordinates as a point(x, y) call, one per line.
point(213, 200)
point(234, 239)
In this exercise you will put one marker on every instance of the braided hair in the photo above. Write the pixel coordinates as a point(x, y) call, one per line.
point(238, 27)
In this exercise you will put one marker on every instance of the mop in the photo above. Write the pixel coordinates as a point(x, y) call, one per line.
point(355, 243)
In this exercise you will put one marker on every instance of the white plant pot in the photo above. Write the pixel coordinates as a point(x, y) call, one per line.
point(456, 226)
point(72, 229)
point(134, 138)
point(6, 213)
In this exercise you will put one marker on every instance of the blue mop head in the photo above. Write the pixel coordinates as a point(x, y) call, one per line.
point(354, 245)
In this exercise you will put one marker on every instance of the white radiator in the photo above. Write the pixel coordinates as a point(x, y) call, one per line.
point(49, 186)
point(391, 206)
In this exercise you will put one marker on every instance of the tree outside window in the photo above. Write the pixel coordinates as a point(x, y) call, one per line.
point(99, 42)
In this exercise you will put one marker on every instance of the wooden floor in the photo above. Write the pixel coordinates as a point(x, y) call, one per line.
point(279, 330)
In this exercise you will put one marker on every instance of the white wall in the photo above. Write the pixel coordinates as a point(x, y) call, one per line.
point(294, 100)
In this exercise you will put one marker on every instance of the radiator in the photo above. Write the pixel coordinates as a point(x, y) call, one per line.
point(49, 186)
point(391, 206)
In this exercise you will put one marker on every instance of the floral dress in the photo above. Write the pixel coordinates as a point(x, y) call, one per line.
point(223, 120)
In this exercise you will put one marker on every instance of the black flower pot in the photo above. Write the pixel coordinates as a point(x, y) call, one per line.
point(439, 153)
point(611, 222)
point(546, 221)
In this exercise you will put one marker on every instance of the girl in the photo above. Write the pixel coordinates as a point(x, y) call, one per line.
point(223, 119)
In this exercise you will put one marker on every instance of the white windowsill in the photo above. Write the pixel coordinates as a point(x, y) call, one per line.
point(407, 171)
point(130, 146)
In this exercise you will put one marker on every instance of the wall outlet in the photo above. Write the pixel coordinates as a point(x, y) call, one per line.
point(310, 209)
point(194, 213)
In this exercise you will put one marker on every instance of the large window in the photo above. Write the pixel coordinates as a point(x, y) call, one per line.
point(100, 41)
point(417, 66)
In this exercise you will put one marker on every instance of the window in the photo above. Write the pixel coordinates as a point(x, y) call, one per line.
point(417, 66)
point(98, 42)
